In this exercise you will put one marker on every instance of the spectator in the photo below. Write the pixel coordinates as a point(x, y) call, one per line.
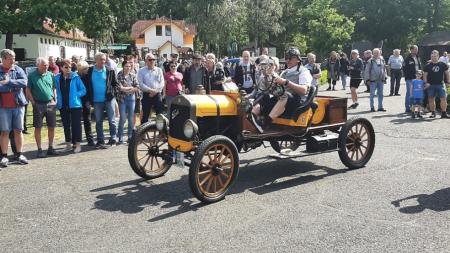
point(264, 52)
point(194, 74)
point(102, 87)
point(151, 83)
point(213, 78)
point(332, 66)
point(75, 60)
point(367, 57)
point(416, 92)
point(166, 65)
point(343, 69)
point(314, 68)
point(395, 64)
point(444, 58)
point(375, 73)
point(137, 105)
point(355, 68)
point(411, 64)
point(435, 73)
point(128, 87)
point(245, 73)
point(52, 67)
point(41, 92)
point(173, 83)
point(12, 100)
point(70, 89)
point(82, 69)
point(111, 63)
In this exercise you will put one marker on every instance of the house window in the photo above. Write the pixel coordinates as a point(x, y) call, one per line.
point(158, 30)
point(45, 40)
point(42, 41)
point(168, 30)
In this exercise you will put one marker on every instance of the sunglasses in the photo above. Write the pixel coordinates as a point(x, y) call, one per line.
point(150, 59)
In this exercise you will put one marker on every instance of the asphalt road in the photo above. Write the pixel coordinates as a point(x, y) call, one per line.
point(93, 202)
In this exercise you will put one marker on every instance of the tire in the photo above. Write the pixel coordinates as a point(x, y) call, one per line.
point(212, 175)
point(147, 147)
point(356, 142)
point(281, 145)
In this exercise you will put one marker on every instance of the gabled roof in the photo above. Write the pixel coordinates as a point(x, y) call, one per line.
point(49, 28)
point(140, 26)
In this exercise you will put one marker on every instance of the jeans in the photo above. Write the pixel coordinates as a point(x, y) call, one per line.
point(126, 108)
point(396, 76)
point(148, 103)
point(379, 87)
point(99, 108)
point(344, 80)
point(71, 120)
point(408, 96)
point(87, 121)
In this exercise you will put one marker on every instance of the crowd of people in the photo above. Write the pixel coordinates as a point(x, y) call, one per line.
point(76, 90)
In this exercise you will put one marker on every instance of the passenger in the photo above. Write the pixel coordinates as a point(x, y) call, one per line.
point(296, 80)
point(213, 77)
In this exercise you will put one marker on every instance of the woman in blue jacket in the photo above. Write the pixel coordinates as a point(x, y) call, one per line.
point(69, 90)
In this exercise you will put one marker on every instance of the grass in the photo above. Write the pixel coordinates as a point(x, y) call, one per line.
point(59, 130)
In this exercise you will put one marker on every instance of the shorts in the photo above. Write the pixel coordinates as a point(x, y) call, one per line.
point(417, 101)
point(437, 90)
point(41, 110)
point(354, 83)
point(292, 104)
point(11, 119)
point(137, 106)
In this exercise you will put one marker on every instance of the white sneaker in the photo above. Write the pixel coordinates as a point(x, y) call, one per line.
point(22, 159)
point(4, 162)
point(77, 149)
point(68, 147)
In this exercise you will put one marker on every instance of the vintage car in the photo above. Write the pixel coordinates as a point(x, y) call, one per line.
point(211, 130)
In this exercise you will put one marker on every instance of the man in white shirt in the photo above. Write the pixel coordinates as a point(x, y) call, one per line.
point(444, 58)
point(151, 83)
point(296, 80)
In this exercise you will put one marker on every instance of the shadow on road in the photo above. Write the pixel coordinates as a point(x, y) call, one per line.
point(136, 195)
point(438, 201)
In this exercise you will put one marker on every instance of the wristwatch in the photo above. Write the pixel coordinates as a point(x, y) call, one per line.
point(286, 83)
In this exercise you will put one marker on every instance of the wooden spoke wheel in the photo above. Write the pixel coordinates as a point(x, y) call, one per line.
point(148, 152)
point(214, 168)
point(278, 146)
point(356, 142)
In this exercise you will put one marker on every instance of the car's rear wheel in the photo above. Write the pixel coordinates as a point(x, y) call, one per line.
point(356, 142)
point(213, 169)
point(148, 152)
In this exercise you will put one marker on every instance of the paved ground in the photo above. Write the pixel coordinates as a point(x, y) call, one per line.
point(92, 202)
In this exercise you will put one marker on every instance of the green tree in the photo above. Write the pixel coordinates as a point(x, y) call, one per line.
point(23, 16)
point(326, 29)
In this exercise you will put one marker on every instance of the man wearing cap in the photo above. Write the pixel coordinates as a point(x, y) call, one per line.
point(151, 83)
point(193, 76)
point(296, 80)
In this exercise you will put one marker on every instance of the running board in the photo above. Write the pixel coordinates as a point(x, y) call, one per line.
point(297, 154)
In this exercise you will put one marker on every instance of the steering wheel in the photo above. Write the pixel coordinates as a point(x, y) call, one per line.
point(309, 99)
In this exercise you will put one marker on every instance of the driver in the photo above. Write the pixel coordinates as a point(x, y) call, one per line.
point(296, 80)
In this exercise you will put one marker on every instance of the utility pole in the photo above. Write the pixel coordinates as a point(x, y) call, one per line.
point(171, 43)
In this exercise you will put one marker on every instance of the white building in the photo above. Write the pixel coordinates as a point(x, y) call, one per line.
point(162, 37)
point(48, 42)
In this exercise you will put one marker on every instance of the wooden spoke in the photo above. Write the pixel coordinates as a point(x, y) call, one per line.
point(145, 164)
point(227, 157)
point(205, 179)
point(208, 186)
point(151, 163)
point(220, 181)
point(357, 154)
point(157, 162)
point(204, 172)
point(353, 154)
point(143, 142)
point(224, 174)
point(143, 156)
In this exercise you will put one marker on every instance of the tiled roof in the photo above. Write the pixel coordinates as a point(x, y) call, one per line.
point(74, 34)
point(138, 28)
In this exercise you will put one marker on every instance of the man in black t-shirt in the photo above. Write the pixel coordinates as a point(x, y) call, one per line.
point(435, 73)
